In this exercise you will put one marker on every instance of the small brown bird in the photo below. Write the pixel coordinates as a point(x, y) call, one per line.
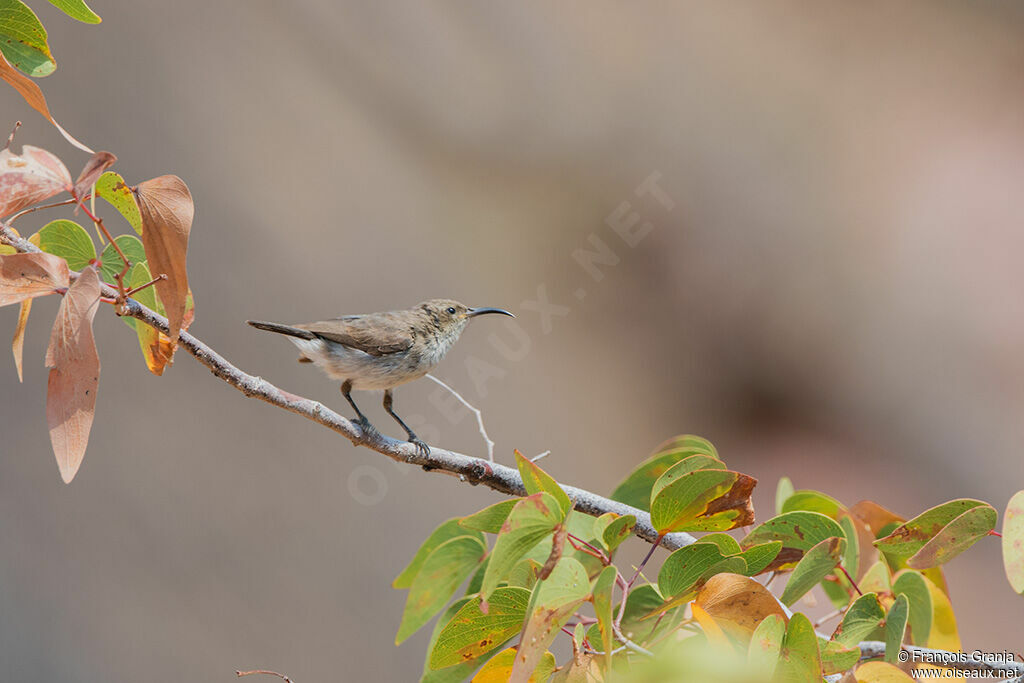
point(381, 350)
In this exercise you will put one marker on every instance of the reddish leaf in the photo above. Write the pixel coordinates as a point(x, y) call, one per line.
point(166, 207)
point(34, 96)
point(18, 343)
point(74, 374)
point(30, 178)
point(94, 168)
point(23, 276)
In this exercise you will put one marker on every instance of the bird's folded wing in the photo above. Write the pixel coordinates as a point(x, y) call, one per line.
point(377, 335)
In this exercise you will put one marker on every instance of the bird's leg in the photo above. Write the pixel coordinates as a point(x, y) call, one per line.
point(421, 446)
point(368, 429)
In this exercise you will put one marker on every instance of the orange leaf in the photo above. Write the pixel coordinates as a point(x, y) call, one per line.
point(18, 343)
point(34, 96)
point(874, 515)
point(94, 168)
point(74, 374)
point(23, 276)
point(30, 178)
point(157, 348)
point(166, 208)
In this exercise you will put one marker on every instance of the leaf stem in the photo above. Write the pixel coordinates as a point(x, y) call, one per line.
point(119, 277)
point(10, 221)
point(849, 578)
point(263, 671)
point(646, 559)
point(10, 138)
point(152, 282)
point(589, 549)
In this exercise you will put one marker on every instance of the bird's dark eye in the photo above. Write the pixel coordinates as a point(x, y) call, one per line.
point(451, 310)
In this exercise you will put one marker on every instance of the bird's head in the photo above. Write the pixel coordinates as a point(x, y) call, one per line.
point(451, 317)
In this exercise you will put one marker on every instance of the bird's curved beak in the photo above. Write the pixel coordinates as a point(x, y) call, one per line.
point(473, 312)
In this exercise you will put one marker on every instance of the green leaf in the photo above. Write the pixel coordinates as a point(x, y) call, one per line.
point(111, 187)
point(1013, 542)
point(877, 579)
point(851, 559)
point(537, 480)
point(446, 531)
point(895, 627)
point(861, 622)
point(685, 466)
point(782, 493)
point(726, 543)
point(759, 556)
point(638, 620)
point(111, 263)
point(612, 529)
point(798, 531)
point(801, 660)
point(76, 9)
point(478, 577)
point(635, 490)
point(940, 534)
point(604, 587)
point(451, 674)
point(913, 585)
point(688, 565)
point(555, 600)
point(471, 633)
point(836, 658)
point(436, 581)
point(532, 518)
point(689, 443)
point(490, 518)
point(766, 645)
point(69, 240)
point(813, 567)
point(813, 501)
point(23, 40)
point(704, 500)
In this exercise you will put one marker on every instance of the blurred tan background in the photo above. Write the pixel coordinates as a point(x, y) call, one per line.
point(835, 294)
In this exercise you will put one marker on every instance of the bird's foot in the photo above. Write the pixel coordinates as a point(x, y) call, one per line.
point(370, 432)
point(422, 448)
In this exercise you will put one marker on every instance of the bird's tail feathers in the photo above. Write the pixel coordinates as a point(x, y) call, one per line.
point(281, 329)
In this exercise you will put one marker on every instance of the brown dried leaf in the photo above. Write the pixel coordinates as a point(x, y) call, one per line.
point(23, 276)
point(30, 178)
point(34, 96)
point(738, 604)
point(94, 168)
point(874, 515)
point(74, 374)
point(18, 343)
point(167, 210)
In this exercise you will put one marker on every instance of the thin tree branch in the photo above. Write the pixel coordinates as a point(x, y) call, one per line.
point(468, 469)
point(265, 672)
point(476, 411)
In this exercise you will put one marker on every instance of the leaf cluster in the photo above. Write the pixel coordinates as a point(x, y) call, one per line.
point(711, 614)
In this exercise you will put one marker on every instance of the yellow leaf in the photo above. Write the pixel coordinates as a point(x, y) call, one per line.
point(499, 668)
point(880, 672)
point(944, 634)
point(712, 630)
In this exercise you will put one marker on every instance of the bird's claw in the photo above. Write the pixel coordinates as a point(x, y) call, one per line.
point(422, 449)
point(370, 432)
